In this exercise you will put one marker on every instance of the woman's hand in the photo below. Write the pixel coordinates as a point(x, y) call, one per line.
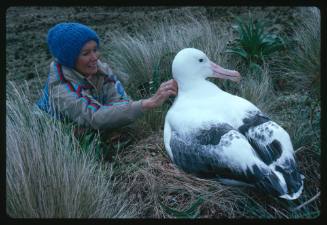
point(165, 90)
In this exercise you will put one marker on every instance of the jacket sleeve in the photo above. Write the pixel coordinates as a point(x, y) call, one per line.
point(88, 112)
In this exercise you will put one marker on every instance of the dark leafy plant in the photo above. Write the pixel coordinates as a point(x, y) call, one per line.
point(190, 213)
point(254, 44)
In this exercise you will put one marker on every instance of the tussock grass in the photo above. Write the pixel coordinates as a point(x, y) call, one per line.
point(138, 58)
point(257, 87)
point(305, 67)
point(299, 67)
point(47, 175)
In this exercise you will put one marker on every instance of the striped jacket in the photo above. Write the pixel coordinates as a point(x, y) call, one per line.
point(99, 102)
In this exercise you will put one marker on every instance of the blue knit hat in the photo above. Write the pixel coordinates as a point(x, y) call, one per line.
point(65, 41)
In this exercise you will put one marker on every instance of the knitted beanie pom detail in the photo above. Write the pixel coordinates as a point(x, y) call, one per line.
point(65, 41)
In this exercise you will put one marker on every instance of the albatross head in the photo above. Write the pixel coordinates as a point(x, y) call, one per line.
point(192, 64)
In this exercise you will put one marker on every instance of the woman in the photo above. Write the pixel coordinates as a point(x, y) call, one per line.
point(83, 89)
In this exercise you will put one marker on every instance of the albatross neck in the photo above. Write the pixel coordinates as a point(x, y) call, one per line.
point(200, 87)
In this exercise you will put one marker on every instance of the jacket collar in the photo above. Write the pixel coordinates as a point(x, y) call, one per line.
point(73, 75)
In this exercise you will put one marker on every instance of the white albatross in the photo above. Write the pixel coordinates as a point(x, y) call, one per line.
point(214, 134)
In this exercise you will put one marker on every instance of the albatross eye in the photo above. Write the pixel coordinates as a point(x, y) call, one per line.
point(200, 60)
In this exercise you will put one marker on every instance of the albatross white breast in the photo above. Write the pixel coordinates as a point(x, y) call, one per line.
point(213, 134)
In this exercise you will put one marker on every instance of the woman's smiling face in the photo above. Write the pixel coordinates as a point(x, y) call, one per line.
point(86, 62)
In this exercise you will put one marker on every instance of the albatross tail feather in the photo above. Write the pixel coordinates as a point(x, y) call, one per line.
point(293, 180)
point(287, 185)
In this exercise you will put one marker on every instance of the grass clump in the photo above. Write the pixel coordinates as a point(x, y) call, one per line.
point(257, 88)
point(299, 68)
point(47, 174)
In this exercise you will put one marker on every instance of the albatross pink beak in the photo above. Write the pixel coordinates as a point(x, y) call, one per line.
point(222, 73)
